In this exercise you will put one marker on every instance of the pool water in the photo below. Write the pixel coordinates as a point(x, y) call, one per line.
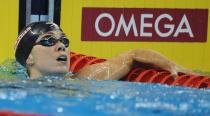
point(78, 97)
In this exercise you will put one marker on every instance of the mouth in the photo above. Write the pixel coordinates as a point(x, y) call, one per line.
point(62, 59)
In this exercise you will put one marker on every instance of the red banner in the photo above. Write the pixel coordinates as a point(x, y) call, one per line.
point(144, 24)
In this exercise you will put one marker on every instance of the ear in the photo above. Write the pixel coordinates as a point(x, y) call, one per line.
point(30, 60)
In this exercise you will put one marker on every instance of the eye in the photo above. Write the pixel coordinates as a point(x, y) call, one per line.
point(48, 41)
point(65, 41)
point(46, 37)
point(52, 39)
point(63, 37)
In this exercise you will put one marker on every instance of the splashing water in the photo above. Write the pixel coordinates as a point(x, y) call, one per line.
point(59, 96)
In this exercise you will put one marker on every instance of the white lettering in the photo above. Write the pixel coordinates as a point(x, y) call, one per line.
point(109, 16)
point(186, 30)
point(171, 27)
point(126, 28)
point(143, 25)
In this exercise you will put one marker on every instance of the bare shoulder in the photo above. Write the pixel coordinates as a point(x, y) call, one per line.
point(112, 69)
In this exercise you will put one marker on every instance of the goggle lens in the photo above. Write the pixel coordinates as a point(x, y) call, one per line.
point(51, 41)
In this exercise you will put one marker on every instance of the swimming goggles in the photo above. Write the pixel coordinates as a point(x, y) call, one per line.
point(51, 41)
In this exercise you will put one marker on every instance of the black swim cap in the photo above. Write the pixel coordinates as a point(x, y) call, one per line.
point(28, 36)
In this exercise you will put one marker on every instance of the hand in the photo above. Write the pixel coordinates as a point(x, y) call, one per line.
point(174, 70)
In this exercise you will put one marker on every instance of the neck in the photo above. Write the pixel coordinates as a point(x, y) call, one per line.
point(37, 74)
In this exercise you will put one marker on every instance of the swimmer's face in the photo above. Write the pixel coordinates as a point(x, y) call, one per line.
point(53, 59)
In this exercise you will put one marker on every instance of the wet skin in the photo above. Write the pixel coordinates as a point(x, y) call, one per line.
point(46, 63)
point(45, 58)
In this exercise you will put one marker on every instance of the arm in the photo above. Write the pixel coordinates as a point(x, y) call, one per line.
point(160, 61)
point(119, 66)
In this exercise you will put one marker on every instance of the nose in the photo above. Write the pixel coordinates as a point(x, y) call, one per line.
point(60, 46)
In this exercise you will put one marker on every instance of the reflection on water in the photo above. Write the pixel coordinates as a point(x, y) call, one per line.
point(59, 96)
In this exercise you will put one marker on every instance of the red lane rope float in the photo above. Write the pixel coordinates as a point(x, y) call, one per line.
point(73, 58)
point(94, 61)
point(199, 83)
point(9, 113)
point(135, 72)
point(79, 61)
point(167, 80)
point(145, 75)
point(158, 77)
point(140, 74)
point(205, 83)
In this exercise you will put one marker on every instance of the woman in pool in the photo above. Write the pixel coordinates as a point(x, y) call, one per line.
point(43, 49)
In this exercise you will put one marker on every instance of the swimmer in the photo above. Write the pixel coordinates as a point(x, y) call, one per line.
point(43, 49)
